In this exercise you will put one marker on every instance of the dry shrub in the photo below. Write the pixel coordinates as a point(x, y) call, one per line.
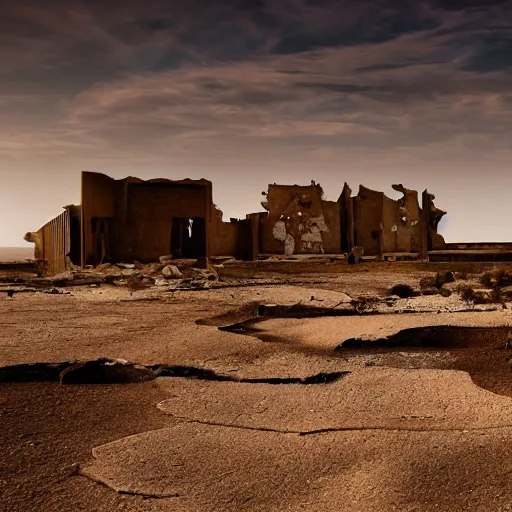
point(489, 296)
point(444, 277)
point(404, 291)
point(428, 282)
point(467, 293)
point(437, 281)
point(496, 278)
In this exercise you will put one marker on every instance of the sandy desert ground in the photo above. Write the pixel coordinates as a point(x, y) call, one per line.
point(16, 253)
point(259, 414)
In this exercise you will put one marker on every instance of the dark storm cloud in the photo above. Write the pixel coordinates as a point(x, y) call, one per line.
point(493, 52)
point(335, 89)
point(369, 26)
point(158, 35)
point(382, 72)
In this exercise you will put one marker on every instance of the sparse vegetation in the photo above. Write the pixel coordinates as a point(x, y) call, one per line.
point(432, 285)
point(467, 293)
point(404, 291)
point(444, 277)
point(496, 278)
point(428, 282)
point(445, 292)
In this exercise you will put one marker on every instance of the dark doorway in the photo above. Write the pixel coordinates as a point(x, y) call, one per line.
point(75, 238)
point(100, 231)
point(188, 237)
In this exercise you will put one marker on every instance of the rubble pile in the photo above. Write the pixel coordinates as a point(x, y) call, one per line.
point(168, 274)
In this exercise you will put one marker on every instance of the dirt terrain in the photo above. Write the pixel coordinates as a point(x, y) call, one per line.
point(259, 412)
point(16, 253)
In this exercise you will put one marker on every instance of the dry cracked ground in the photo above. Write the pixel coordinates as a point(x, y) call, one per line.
point(227, 410)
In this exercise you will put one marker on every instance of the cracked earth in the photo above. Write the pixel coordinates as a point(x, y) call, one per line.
point(204, 401)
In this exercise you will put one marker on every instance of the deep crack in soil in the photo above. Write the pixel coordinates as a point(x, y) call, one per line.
point(111, 371)
point(484, 352)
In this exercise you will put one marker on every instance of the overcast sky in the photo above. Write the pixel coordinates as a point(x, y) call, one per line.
point(246, 93)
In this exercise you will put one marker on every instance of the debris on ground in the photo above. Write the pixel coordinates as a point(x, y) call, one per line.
point(55, 291)
point(179, 274)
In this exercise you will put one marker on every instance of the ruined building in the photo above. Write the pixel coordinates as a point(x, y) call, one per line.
point(136, 220)
point(299, 220)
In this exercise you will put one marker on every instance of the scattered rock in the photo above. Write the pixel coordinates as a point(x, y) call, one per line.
point(207, 274)
point(63, 276)
point(103, 267)
point(168, 257)
point(170, 271)
point(52, 291)
point(193, 284)
point(129, 273)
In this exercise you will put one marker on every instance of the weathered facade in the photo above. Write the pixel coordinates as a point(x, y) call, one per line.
point(132, 219)
point(58, 241)
point(136, 220)
point(299, 221)
point(382, 225)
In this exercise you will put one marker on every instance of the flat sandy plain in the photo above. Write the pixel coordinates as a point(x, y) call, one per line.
point(405, 429)
point(16, 253)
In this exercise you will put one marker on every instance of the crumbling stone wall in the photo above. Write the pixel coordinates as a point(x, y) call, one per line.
point(299, 221)
point(432, 217)
point(101, 198)
point(132, 219)
point(346, 208)
point(383, 225)
point(234, 238)
point(368, 220)
point(35, 238)
point(401, 222)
